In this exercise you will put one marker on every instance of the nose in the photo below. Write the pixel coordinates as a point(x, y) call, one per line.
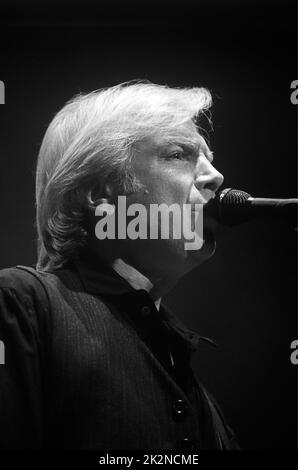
point(208, 177)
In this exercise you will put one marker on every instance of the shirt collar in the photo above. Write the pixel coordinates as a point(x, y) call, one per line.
point(98, 278)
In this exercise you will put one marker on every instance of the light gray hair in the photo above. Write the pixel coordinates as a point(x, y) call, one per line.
point(91, 140)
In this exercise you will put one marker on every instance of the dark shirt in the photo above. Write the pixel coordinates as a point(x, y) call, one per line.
point(90, 363)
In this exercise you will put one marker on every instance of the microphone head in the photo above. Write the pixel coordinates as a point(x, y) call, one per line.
point(226, 204)
point(233, 207)
point(232, 197)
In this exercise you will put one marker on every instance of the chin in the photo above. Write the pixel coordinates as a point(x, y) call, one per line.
point(209, 246)
point(207, 250)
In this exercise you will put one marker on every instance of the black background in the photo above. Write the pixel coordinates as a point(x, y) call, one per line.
point(245, 53)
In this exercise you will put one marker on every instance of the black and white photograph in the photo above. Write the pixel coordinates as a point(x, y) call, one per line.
point(148, 235)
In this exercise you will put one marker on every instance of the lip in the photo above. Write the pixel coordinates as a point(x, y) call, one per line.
point(206, 216)
point(200, 201)
point(197, 211)
point(209, 219)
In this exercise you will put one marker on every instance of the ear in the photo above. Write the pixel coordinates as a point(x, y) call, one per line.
point(100, 192)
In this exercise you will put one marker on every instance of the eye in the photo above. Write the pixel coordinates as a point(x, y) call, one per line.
point(177, 156)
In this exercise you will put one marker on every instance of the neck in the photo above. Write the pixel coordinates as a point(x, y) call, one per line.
point(155, 288)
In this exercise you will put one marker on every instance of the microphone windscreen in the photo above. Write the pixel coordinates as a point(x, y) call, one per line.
point(225, 207)
point(232, 197)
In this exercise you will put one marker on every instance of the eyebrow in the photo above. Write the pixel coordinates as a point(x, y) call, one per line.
point(195, 146)
point(198, 147)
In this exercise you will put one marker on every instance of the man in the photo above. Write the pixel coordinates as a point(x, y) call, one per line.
point(93, 360)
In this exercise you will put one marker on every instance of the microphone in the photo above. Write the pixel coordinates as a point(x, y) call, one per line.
point(233, 207)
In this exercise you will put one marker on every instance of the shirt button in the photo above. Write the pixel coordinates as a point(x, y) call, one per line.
point(187, 444)
point(145, 310)
point(179, 407)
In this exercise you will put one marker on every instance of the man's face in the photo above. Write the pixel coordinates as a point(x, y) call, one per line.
point(173, 171)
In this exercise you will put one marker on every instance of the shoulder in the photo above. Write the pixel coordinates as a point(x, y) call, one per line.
point(24, 301)
point(22, 282)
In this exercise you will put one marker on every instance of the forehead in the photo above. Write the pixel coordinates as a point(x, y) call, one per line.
point(186, 136)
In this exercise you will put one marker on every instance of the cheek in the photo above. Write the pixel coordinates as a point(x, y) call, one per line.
point(168, 186)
